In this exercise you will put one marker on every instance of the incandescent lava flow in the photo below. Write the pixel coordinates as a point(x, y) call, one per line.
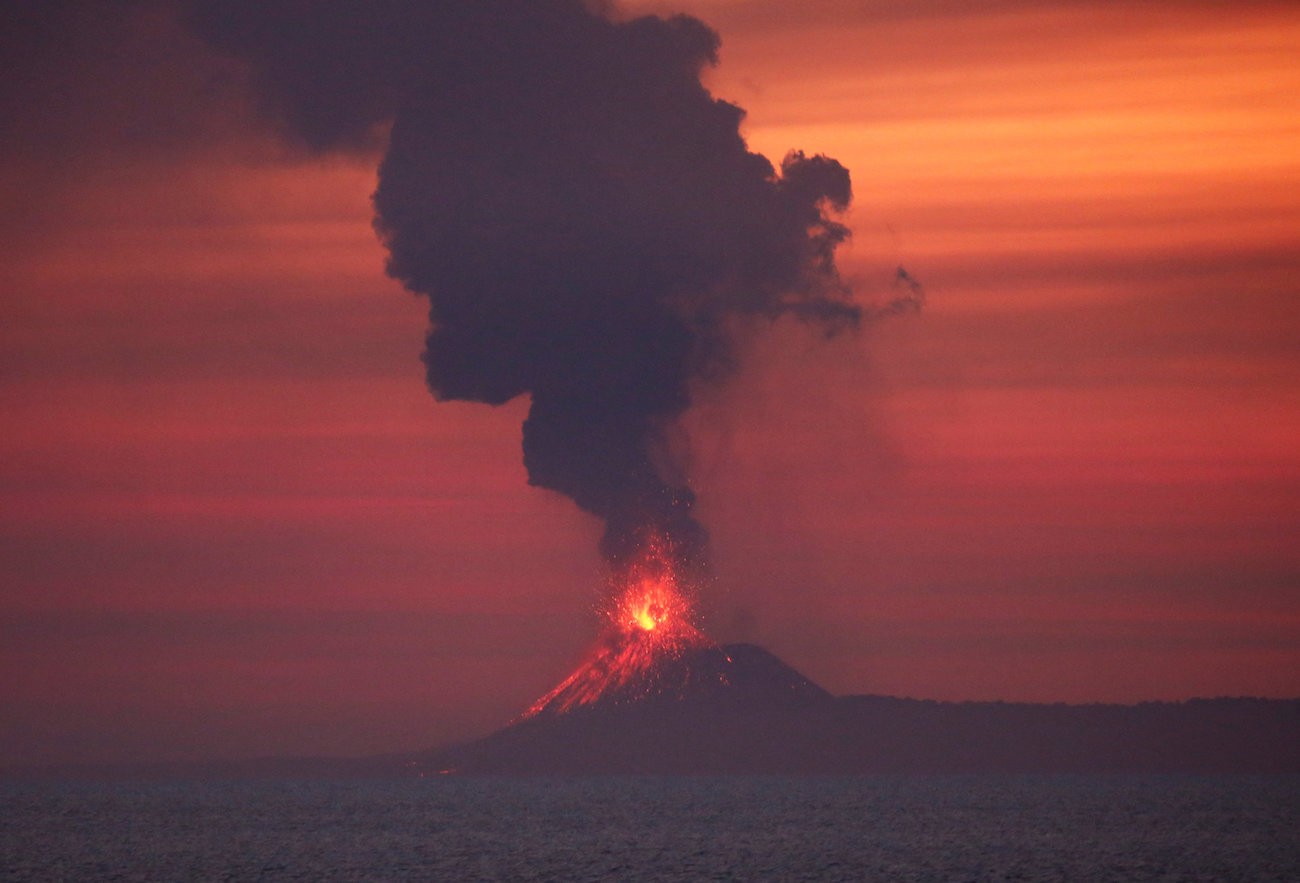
point(649, 626)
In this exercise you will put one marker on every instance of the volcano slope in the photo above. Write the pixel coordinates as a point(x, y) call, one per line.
point(737, 709)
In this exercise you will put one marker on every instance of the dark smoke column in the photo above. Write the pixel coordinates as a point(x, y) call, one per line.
point(584, 217)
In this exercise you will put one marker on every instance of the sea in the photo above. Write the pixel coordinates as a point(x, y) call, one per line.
point(925, 828)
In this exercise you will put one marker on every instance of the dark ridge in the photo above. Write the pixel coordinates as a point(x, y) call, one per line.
point(737, 709)
point(735, 675)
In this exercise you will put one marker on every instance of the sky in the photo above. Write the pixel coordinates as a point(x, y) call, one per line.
point(233, 520)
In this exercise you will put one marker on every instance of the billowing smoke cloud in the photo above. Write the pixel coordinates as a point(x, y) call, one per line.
point(583, 216)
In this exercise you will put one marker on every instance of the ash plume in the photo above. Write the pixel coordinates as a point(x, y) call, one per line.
point(583, 216)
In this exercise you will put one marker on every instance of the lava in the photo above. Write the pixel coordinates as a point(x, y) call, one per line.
point(651, 598)
point(650, 620)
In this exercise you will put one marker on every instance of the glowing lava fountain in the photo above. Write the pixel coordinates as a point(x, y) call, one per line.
point(650, 624)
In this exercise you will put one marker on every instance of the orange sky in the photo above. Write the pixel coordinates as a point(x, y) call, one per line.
point(233, 520)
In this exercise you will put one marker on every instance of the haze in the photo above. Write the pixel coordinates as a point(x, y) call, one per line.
point(233, 521)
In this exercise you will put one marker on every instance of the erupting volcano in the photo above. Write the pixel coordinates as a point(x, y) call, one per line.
point(591, 231)
point(593, 235)
point(649, 623)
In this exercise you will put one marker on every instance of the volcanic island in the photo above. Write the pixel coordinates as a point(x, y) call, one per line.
point(657, 696)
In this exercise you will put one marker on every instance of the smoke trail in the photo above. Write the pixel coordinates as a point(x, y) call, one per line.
point(583, 216)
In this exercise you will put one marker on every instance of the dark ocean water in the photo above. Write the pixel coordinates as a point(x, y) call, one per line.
point(1075, 828)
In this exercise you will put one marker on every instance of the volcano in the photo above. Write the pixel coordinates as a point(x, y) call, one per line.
point(630, 668)
point(634, 708)
point(657, 696)
point(701, 708)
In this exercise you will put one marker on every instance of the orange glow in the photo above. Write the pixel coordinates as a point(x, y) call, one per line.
point(651, 618)
point(646, 619)
point(1073, 477)
point(650, 598)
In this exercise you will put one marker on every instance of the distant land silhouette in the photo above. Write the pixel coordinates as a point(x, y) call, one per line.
point(737, 709)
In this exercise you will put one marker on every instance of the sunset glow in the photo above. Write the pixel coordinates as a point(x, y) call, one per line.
point(233, 520)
